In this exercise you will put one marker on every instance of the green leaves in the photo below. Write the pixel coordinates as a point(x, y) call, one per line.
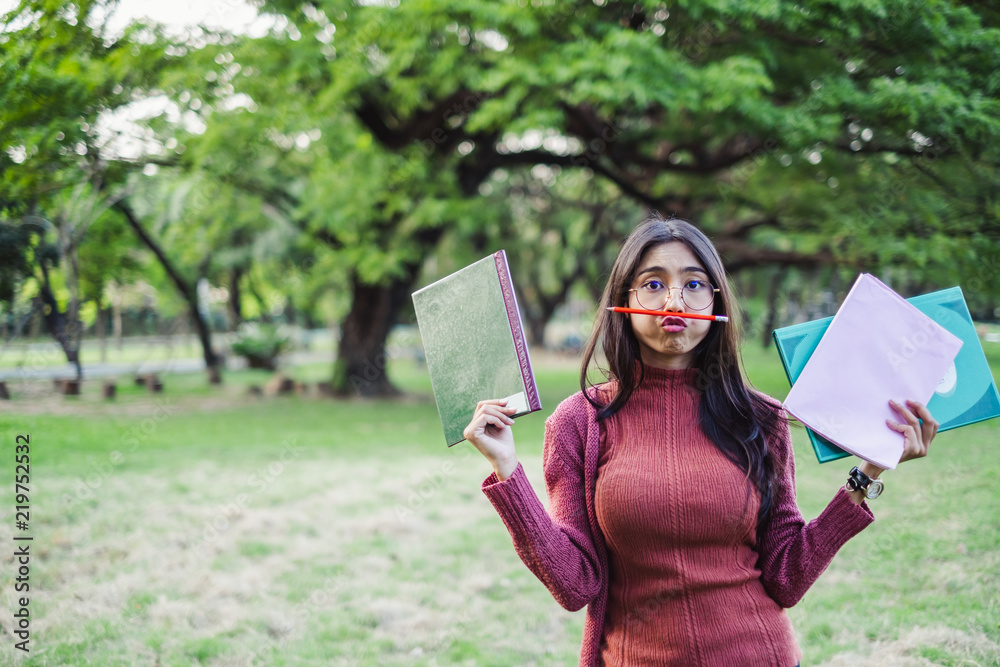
point(851, 131)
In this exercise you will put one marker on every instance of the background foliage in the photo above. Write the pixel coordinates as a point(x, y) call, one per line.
point(322, 169)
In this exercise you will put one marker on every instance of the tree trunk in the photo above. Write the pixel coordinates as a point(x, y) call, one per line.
point(204, 335)
point(290, 313)
point(771, 322)
point(188, 291)
point(102, 331)
point(536, 328)
point(116, 306)
point(235, 308)
point(360, 368)
point(74, 327)
point(539, 316)
point(63, 329)
point(36, 319)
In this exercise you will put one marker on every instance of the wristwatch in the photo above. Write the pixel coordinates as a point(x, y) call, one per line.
point(858, 481)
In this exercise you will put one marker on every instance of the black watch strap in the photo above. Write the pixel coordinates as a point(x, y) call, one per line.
point(858, 481)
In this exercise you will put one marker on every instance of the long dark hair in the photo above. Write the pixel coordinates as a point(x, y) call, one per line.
point(737, 419)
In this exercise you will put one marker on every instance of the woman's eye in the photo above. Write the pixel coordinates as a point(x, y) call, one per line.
point(695, 285)
point(653, 286)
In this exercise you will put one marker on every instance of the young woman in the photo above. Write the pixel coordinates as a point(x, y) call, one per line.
point(671, 488)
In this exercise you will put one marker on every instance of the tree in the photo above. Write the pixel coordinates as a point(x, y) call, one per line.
point(568, 227)
point(380, 211)
point(767, 124)
point(63, 79)
point(75, 212)
point(16, 243)
point(796, 135)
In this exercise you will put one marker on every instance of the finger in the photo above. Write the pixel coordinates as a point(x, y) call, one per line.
point(482, 407)
point(930, 425)
point(905, 429)
point(498, 412)
point(905, 413)
point(501, 402)
point(491, 401)
point(911, 440)
point(916, 446)
point(919, 409)
point(481, 427)
point(497, 421)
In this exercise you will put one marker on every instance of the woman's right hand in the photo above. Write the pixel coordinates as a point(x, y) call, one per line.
point(490, 433)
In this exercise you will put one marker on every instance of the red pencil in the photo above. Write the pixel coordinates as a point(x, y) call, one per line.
point(662, 313)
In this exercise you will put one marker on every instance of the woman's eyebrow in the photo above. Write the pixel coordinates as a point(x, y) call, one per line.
point(660, 269)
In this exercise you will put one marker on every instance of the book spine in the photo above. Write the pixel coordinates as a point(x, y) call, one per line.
point(516, 329)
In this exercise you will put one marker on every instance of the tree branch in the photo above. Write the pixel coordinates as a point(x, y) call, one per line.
point(742, 231)
point(422, 124)
point(870, 148)
point(738, 255)
point(179, 281)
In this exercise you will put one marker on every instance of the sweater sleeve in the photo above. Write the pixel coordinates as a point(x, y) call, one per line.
point(556, 545)
point(794, 553)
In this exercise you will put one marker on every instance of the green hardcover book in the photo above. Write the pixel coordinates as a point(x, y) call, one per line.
point(474, 343)
point(967, 394)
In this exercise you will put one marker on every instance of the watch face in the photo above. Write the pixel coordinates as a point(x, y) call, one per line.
point(875, 489)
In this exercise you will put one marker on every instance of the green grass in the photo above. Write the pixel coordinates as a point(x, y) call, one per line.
point(304, 531)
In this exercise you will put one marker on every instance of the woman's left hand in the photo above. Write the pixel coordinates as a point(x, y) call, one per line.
point(917, 436)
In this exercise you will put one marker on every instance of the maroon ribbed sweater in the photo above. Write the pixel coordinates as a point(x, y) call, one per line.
point(566, 548)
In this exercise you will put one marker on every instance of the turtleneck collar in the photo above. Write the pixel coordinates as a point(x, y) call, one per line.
point(669, 377)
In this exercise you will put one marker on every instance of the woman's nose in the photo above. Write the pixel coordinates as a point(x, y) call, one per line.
point(674, 302)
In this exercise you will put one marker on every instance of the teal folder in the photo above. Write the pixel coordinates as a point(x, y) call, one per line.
point(966, 395)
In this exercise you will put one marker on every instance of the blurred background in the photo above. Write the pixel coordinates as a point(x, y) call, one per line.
point(213, 214)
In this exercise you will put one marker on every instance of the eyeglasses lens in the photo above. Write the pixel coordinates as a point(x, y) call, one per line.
point(696, 295)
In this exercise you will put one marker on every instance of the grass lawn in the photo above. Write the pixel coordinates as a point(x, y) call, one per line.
point(206, 527)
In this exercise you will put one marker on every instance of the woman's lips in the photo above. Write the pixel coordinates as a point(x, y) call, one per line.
point(673, 324)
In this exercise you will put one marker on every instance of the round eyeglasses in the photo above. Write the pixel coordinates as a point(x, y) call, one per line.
point(695, 294)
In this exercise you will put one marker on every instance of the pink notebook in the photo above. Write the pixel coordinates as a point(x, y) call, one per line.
point(878, 347)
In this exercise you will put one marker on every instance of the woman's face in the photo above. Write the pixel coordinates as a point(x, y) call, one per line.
point(667, 342)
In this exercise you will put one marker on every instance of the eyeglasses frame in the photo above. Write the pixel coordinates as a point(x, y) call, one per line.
point(715, 290)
